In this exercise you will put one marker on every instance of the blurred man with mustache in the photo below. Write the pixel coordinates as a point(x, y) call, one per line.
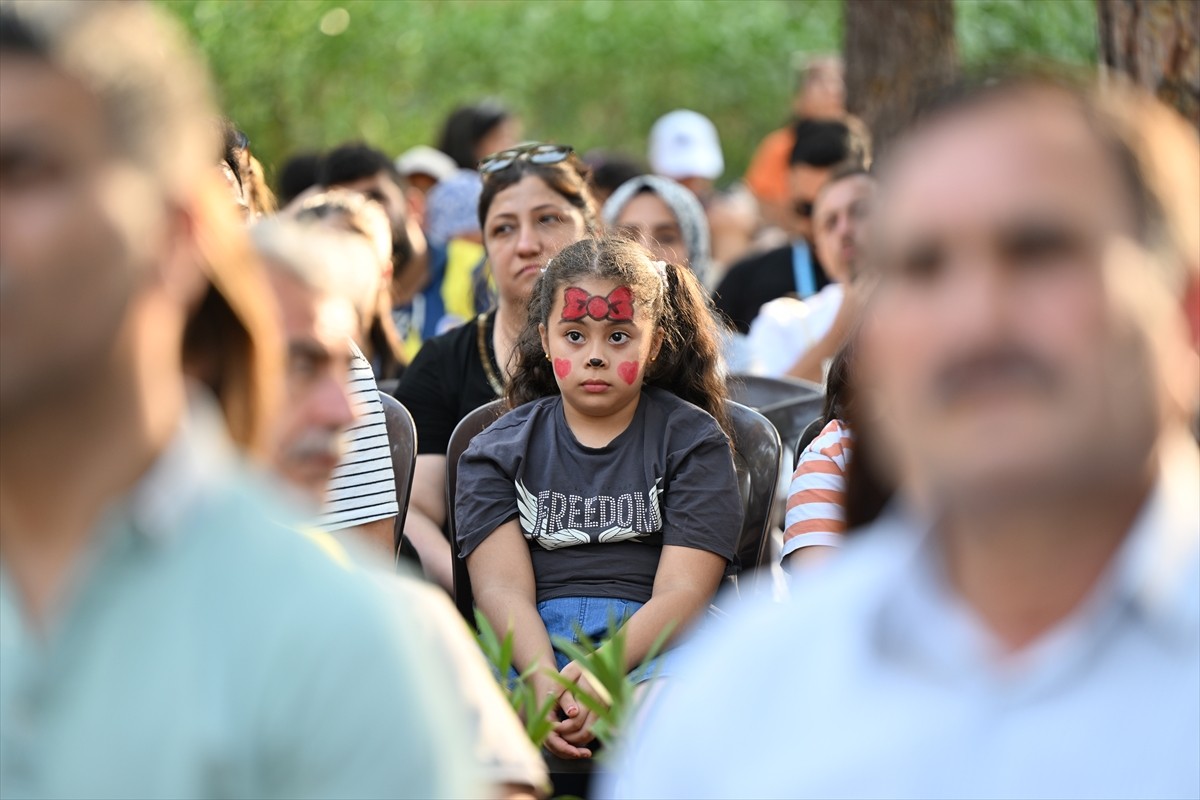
point(1025, 621)
point(165, 630)
point(313, 271)
point(309, 271)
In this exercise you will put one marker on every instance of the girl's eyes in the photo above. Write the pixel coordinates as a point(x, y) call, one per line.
point(619, 337)
point(574, 336)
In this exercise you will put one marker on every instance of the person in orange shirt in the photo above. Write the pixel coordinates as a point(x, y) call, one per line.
point(820, 93)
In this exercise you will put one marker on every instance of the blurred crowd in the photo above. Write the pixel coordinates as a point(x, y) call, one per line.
point(873, 478)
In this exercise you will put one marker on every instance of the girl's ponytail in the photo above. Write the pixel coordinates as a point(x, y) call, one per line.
point(689, 362)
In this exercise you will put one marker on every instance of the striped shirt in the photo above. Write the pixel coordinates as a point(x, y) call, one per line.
point(816, 497)
point(363, 486)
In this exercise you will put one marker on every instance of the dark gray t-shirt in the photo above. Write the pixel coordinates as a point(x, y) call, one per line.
point(596, 518)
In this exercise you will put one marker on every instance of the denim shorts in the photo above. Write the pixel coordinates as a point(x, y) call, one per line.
point(566, 617)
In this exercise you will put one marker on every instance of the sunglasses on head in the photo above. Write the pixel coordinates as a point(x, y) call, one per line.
point(803, 208)
point(536, 153)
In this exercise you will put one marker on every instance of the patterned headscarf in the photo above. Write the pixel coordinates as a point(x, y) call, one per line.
point(452, 207)
point(693, 224)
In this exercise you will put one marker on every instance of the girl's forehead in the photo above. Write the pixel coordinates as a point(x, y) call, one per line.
point(592, 284)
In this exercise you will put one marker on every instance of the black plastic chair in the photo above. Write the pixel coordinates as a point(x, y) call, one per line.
point(758, 458)
point(789, 404)
point(464, 432)
point(402, 439)
point(806, 438)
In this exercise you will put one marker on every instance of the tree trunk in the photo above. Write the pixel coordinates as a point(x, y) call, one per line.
point(896, 51)
point(1155, 43)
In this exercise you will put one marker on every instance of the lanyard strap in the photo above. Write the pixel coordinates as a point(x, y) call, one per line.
point(806, 284)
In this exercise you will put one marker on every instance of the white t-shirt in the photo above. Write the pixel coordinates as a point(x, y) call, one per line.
point(786, 328)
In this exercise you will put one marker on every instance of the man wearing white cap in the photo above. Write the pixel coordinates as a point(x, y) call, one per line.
point(684, 146)
point(423, 167)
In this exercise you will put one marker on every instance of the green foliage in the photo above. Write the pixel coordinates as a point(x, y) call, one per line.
point(302, 74)
point(520, 692)
point(604, 668)
point(991, 31)
point(613, 698)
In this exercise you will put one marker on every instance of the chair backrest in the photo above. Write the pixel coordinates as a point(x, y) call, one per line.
point(758, 458)
point(806, 438)
point(464, 432)
point(402, 439)
point(790, 404)
point(758, 391)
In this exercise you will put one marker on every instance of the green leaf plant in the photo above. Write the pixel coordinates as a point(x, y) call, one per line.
point(609, 691)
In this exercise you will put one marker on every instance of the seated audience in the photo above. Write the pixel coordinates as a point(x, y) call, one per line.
point(665, 218)
point(361, 168)
point(819, 93)
point(535, 201)
point(609, 170)
point(608, 493)
point(167, 631)
point(474, 131)
point(816, 499)
point(452, 225)
point(331, 437)
point(685, 147)
point(798, 337)
point(307, 268)
point(792, 269)
point(300, 171)
point(422, 167)
point(359, 215)
point(1022, 621)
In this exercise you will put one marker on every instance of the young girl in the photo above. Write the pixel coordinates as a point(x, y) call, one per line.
point(609, 490)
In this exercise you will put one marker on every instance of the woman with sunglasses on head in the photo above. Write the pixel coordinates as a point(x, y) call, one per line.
point(535, 202)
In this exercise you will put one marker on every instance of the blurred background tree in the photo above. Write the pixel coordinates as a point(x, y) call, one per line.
point(311, 73)
point(1157, 43)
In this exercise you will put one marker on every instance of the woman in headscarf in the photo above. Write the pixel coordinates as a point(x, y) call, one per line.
point(665, 217)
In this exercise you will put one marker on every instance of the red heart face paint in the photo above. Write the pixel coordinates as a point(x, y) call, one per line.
point(562, 367)
point(628, 370)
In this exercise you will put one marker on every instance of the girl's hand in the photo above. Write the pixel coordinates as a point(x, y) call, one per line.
point(576, 728)
point(555, 742)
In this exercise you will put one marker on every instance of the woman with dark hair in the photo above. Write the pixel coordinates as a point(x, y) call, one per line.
point(473, 131)
point(535, 201)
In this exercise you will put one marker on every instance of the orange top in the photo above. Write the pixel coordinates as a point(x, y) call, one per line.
point(767, 175)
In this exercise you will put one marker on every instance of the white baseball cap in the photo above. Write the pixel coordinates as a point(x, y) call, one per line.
point(424, 160)
point(684, 144)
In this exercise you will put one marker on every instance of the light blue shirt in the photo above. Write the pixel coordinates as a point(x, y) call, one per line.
point(876, 681)
point(207, 649)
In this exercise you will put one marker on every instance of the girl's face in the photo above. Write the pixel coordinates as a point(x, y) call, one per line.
point(600, 339)
point(527, 224)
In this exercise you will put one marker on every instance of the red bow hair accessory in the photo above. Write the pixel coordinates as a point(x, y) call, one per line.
point(617, 306)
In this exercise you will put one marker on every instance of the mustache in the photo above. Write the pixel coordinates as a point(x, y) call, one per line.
point(1004, 366)
point(314, 443)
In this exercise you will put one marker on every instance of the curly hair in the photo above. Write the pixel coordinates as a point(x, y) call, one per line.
point(688, 363)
